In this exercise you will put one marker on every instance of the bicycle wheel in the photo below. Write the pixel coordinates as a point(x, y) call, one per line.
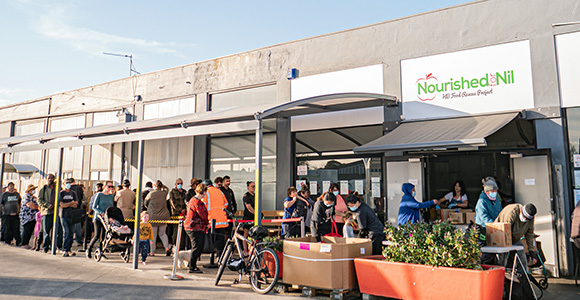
point(224, 259)
point(264, 271)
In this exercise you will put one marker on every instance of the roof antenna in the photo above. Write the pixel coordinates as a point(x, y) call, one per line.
point(132, 69)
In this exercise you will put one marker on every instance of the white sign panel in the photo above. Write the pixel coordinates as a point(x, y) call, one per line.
point(344, 187)
point(530, 181)
point(576, 160)
point(367, 79)
point(325, 185)
point(482, 80)
point(359, 186)
point(299, 184)
point(313, 187)
point(567, 46)
point(302, 170)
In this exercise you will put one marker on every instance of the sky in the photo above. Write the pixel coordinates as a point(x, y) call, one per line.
point(47, 47)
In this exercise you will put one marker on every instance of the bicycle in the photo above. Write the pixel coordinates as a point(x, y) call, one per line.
point(257, 265)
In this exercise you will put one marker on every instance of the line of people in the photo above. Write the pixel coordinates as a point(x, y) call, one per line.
point(36, 215)
point(332, 214)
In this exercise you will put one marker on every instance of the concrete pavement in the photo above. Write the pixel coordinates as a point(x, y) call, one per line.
point(34, 275)
point(26, 274)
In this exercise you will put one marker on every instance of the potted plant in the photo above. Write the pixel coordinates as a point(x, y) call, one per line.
point(277, 244)
point(424, 261)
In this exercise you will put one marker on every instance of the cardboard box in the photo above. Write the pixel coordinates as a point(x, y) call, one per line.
point(469, 217)
point(445, 212)
point(457, 217)
point(326, 265)
point(498, 234)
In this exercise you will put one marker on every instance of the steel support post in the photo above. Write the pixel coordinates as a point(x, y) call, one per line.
point(138, 204)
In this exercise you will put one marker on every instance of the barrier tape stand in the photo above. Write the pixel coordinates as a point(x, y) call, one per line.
point(174, 276)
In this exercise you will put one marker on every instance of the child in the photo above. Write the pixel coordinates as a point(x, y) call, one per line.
point(348, 228)
point(38, 232)
point(145, 236)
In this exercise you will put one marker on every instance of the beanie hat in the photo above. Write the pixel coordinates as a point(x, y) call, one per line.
point(207, 182)
point(529, 211)
point(489, 185)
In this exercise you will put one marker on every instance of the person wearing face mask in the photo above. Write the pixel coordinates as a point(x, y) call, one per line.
point(340, 206)
point(409, 207)
point(521, 219)
point(68, 201)
point(177, 197)
point(488, 206)
point(369, 224)
point(195, 224)
point(322, 216)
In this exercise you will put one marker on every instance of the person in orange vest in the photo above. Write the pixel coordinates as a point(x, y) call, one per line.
point(216, 203)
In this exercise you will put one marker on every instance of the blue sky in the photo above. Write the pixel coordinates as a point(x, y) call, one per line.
point(53, 46)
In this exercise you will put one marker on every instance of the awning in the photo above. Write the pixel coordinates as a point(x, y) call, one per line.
point(441, 133)
point(235, 119)
point(20, 168)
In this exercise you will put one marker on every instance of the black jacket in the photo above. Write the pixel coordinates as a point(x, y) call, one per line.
point(321, 222)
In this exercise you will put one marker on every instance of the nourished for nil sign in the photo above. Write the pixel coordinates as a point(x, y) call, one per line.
point(483, 80)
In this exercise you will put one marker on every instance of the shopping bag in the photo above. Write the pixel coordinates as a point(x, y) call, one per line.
point(334, 231)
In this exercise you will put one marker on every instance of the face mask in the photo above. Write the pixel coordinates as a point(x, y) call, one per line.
point(335, 193)
point(414, 193)
point(353, 208)
point(329, 205)
point(179, 186)
point(32, 192)
point(492, 195)
point(523, 219)
point(67, 186)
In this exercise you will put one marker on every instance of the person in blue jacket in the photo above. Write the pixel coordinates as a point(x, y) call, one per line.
point(409, 207)
point(488, 206)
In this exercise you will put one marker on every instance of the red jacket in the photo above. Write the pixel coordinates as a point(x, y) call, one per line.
point(196, 218)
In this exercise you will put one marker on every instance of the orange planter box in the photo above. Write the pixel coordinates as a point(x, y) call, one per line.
point(420, 282)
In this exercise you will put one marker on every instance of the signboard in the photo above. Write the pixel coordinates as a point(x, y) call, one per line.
point(325, 185)
point(369, 79)
point(299, 184)
point(344, 187)
point(576, 160)
point(302, 170)
point(482, 80)
point(569, 67)
point(359, 186)
point(313, 188)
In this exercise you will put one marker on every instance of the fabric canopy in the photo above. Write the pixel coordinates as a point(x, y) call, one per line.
point(441, 133)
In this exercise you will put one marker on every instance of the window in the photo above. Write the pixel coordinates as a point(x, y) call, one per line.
point(72, 162)
point(235, 156)
point(103, 118)
point(29, 157)
point(573, 119)
point(245, 97)
point(169, 108)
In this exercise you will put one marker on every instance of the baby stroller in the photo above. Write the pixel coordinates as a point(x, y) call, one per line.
point(117, 235)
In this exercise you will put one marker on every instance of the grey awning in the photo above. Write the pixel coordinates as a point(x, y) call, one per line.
point(233, 119)
point(20, 168)
point(442, 133)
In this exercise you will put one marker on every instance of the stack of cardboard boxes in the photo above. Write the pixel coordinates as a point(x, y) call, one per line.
point(458, 215)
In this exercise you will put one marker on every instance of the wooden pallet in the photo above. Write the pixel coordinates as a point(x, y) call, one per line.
point(310, 292)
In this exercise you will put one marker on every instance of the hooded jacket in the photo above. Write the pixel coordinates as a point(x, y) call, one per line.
point(486, 210)
point(409, 207)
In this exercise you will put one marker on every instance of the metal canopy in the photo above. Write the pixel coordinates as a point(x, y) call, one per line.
point(442, 133)
point(233, 119)
point(20, 168)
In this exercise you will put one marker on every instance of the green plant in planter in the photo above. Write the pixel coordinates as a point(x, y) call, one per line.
point(274, 242)
point(438, 244)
